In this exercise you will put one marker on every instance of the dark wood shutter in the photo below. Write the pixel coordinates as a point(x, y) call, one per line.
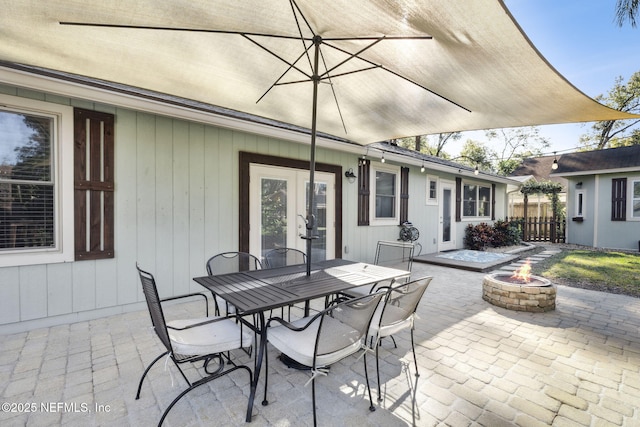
point(493, 202)
point(404, 195)
point(364, 191)
point(619, 199)
point(94, 184)
point(458, 199)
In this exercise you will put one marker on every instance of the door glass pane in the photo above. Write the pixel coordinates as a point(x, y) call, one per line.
point(319, 245)
point(273, 199)
point(446, 215)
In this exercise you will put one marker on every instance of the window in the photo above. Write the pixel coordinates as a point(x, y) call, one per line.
point(432, 190)
point(476, 200)
point(634, 206)
point(391, 189)
point(385, 186)
point(580, 203)
point(619, 199)
point(385, 195)
point(36, 182)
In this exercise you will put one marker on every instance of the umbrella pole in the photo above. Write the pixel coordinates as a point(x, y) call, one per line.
point(317, 40)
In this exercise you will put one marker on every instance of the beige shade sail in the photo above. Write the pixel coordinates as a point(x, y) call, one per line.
point(422, 67)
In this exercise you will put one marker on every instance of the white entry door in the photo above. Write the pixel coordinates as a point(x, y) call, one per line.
point(446, 211)
point(278, 208)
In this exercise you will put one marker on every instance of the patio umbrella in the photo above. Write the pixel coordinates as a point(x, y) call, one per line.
point(362, 70)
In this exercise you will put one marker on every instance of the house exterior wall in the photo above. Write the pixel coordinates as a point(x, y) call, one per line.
point(597, 228)
point(581, 232)
point(176, 204)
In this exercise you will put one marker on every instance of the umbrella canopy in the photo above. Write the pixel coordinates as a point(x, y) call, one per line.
point(363, 70)
point(478, 70)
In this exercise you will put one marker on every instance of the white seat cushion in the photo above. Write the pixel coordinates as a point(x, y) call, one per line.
point(215, 337)
point(386, 330)
point(300, 346)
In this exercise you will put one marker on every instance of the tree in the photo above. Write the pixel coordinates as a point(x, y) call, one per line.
point(516, 144)
point(474, 154)
point(429, 144)
point(616, 133)
point(627, 9)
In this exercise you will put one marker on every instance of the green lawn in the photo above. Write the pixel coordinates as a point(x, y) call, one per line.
point(616, 272)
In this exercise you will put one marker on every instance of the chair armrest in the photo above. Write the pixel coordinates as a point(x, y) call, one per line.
point(195, 325)
point(206, 300)
point(292, 327)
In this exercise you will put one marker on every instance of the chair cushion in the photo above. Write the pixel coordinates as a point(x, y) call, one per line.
point(300, 345)
point(385, 330)
point(211, 338)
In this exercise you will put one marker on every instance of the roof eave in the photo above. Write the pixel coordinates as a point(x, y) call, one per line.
point(597, 172)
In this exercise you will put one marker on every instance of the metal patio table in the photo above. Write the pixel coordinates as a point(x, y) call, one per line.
point(254, 292)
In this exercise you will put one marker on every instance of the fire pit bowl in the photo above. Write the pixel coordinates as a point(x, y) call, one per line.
point(534, 294)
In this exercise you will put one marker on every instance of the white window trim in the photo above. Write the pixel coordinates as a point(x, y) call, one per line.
point(584, 203)
point(478, 185)
point(62, 156)
point(630, 181)
point(373, 221)
point(429, 180)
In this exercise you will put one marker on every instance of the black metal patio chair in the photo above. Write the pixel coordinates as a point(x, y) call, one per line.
point(388, 254)
point(323, 339)
point(230, 262)
point(206, 339)
point(281, 257)
point(396, 314)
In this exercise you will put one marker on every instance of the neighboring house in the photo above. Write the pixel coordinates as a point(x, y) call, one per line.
point(538, 169)
point(95, 177)
point(603, 197)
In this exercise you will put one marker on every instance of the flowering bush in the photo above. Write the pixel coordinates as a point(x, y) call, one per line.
point(502, 233)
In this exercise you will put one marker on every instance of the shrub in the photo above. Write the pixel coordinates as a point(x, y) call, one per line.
point(505, 233)
point(478, 237)
point(502, 233)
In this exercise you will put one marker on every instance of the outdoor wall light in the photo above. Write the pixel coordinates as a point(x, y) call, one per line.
point(350, 175)
point(382, 159)
point(554, 165)
point(422, 168)
point(476, 171)
point(579, 184)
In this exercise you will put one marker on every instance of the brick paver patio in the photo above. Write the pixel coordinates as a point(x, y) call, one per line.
point(578, 365)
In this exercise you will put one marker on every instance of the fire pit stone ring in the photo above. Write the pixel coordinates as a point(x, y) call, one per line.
point(503, 290)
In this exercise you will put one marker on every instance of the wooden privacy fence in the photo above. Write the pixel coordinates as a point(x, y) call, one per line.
point(542, 229)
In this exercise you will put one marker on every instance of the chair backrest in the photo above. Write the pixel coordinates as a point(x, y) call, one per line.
point(155, 308)
point(394, 254)
point(402, 301)
point(346, 323)
point(281, 257)
point(232, 262)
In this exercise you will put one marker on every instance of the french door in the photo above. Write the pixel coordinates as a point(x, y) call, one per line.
point(278, 209)
point(446, 209)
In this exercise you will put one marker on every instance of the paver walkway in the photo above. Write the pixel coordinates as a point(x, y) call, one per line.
point(480, 365)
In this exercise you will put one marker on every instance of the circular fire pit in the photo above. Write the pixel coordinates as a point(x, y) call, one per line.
point(535, 295)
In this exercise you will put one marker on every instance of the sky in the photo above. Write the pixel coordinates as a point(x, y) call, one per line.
point(582, 41)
